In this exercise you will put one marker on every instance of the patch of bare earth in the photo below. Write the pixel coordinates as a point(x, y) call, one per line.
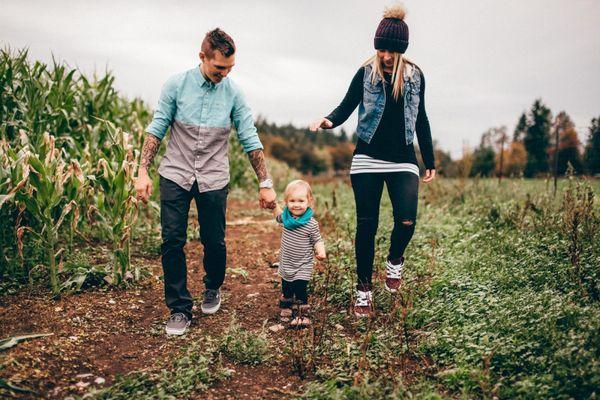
point(103, 333)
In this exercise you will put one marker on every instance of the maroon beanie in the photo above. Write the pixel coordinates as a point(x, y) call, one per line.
point(392, 32)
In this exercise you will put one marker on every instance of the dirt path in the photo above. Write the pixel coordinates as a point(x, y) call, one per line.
point(103, 333)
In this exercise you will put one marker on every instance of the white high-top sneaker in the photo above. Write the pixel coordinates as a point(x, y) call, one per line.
point(393, 276)
point(363, 307)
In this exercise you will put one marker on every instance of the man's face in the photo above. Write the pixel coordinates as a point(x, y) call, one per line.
point(216, 67)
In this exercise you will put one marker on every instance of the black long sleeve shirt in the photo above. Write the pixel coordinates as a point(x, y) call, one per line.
point(388, 142)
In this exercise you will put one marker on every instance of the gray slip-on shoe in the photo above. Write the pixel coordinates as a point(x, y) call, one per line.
point(211, 302)
point(177, 324)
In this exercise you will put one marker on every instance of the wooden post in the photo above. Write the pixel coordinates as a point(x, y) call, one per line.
point(555, 157)
point(502, 140)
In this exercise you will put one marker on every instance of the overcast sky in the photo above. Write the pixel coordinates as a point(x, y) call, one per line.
point(484, 61)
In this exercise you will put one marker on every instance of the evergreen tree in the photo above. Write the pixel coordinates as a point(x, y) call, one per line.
point(484, 156)
point(483, 161)
point(592, 148)
point(343, 136)
point(520, 129)
point(537, 139)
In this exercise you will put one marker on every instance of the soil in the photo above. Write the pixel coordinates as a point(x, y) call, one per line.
point(107, 332)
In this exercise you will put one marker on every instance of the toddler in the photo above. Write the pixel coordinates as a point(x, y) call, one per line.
point(300, 243)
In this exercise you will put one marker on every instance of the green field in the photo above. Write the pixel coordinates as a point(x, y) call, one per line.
point(500, 297)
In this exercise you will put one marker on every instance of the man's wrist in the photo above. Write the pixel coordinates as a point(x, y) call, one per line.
point(142, 171)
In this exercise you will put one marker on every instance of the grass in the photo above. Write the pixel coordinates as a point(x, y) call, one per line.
point(198, 367)
point(499, 297)
point(244, 346)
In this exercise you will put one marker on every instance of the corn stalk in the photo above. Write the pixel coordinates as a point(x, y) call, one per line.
point(44, 193)
point(115, 199)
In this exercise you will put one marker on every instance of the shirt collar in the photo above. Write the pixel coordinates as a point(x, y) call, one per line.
point(201, 79)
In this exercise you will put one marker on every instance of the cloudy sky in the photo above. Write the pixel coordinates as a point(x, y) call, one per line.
point(485, 61)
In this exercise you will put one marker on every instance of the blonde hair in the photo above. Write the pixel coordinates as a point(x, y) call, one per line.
point(400, 62)
point(298, 183)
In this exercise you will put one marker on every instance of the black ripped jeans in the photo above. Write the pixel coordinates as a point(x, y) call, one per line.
point(403, 188)
point(174, 208)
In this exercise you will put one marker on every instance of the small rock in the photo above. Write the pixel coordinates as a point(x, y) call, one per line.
point(111, 301)
point(99, 381)
point(276, 328)
point(82, 385)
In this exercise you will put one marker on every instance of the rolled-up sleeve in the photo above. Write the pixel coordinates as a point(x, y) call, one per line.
point(244, 124)
point(165, 111)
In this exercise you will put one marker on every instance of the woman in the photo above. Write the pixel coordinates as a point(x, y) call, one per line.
point(390, 93)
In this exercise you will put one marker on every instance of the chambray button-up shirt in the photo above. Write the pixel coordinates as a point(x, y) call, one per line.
point(199, 114)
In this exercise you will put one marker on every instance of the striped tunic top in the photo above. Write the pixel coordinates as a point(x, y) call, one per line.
point(296, 256)
point(362, 163)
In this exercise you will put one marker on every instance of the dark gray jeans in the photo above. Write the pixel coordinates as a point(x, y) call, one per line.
point(174, 208)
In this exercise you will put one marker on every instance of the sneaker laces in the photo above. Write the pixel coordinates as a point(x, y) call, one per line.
point(363, 299)
point(393, 271)
point(177, 317)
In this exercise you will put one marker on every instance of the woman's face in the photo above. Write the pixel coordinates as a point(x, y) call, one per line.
point(387, 58)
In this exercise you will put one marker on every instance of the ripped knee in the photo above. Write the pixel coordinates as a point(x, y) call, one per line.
point(404, 223)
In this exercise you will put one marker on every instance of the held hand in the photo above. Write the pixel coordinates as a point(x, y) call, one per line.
point(266, 198)
point(323, 123)
point(429, 175)
point(143, 186)
point(321, 256)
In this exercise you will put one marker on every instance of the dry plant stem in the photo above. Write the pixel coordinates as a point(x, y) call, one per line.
point(363, 363)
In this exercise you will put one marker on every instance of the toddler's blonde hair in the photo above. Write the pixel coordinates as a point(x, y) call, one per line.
point(295, 184)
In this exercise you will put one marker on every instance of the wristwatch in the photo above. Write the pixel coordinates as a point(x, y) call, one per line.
point(266, 184)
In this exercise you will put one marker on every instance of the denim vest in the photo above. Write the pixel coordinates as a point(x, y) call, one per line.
point(371, 108)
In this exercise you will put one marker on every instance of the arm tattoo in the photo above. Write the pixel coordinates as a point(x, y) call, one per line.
point(257, 159)
point(151, 146)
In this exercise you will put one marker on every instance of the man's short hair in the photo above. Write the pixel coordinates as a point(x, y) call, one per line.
point(217, 40)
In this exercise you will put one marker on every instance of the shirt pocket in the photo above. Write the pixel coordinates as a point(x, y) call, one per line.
point(371, 94)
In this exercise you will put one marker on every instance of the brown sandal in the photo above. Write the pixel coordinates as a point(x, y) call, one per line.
point(300, 319)
point(285, 314)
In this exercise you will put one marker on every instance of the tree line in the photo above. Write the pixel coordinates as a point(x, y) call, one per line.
point(540, 145)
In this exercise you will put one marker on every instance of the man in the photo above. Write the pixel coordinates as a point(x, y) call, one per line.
point(199, 106)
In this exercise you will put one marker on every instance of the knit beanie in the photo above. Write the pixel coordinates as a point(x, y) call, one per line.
point(392, 32)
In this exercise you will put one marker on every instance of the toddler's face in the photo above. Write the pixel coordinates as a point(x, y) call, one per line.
point(297, 201)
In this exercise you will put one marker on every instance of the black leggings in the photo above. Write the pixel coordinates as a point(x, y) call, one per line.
point(297, 288)
point(403, 188)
